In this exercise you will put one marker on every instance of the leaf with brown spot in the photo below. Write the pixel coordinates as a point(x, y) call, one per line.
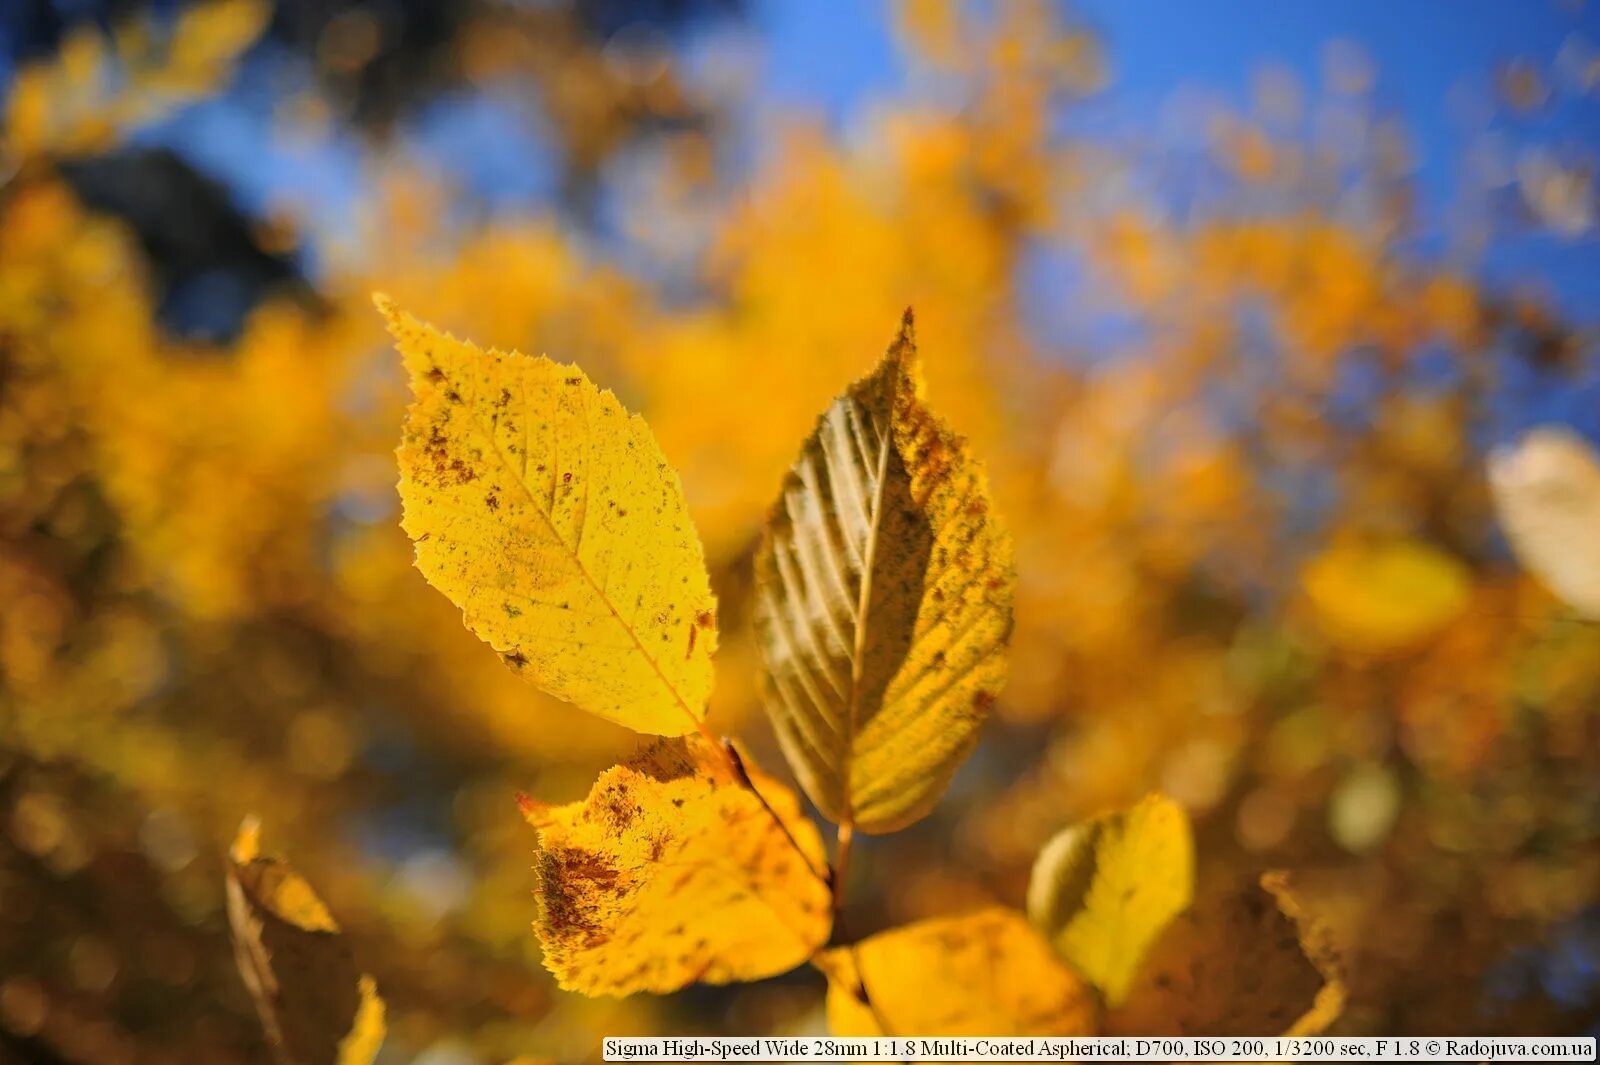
point(1246, 959)
point(983, 973)
point(884, 588)
point(549, 515)
point(317, 1006)
point(673, 872)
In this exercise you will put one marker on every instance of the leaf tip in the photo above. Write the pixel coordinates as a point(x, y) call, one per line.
point(533, 811)
point(904, 348)
point(247, 844)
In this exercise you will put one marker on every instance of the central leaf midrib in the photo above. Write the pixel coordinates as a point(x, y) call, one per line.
point(863, 604)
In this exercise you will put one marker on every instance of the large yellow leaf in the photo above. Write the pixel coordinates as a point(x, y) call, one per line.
point(984, 973)
point(1101, 892)
point(884, 602)
point(316, 1005)
point(673, 871)
point(1382, 596)
point(1547, 494)
point(548, 514)
point(1247, 959)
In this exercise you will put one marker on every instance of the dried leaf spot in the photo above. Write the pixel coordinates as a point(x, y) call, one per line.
point(671, 872)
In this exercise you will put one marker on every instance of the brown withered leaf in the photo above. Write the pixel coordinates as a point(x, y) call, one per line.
point(315, 1003)
point(1246, 959)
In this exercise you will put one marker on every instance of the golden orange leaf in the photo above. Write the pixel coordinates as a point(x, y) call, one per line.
point(1382, 596)
point(984, 973)
point(673, 871)
point(884, 602)
point(548, 514)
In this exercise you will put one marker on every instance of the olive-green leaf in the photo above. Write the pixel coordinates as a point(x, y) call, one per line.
point(315, 1003)
point(1102, 891)
point(884, 588)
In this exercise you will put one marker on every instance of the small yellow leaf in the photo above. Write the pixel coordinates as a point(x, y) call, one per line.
point(1381, 596)
point(1547, 494)
point(1245, 960)
point(316, 1005)
point(548, 514)
point(884, 588)
point(1103, 891)
point(673, 871)
point(985, 973)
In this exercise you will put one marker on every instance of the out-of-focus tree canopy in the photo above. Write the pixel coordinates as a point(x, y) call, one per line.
point(1235, 378)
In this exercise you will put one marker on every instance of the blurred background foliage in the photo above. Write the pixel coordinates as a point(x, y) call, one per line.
point(1232, 301)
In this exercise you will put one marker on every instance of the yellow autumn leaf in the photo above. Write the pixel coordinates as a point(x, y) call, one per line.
point(675, 871)
point(548, 514)
point(984, 973)
point(1380, 596)
point(1101, 892)
point(884, 602)
point(1547, 495)
point(315, 1004)
point(1247, 959)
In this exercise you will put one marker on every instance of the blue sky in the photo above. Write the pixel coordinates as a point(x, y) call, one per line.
point(1436, 62)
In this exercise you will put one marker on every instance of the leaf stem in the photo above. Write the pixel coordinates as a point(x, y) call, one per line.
point(841, 866)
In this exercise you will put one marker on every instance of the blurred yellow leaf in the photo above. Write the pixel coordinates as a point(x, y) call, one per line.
point(1102, 891)
point(82, 100)
point(1245, 960)
point(317, 1007)
point(1547, 494)
point(1381, 596)
point(674, 871)
point(884, 602)
point(548, 514)
point(211, 33)
point(984, 973)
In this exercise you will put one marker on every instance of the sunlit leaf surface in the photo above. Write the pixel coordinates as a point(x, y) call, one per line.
point(673, 871)
point(884, 588)
point(548, 514)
